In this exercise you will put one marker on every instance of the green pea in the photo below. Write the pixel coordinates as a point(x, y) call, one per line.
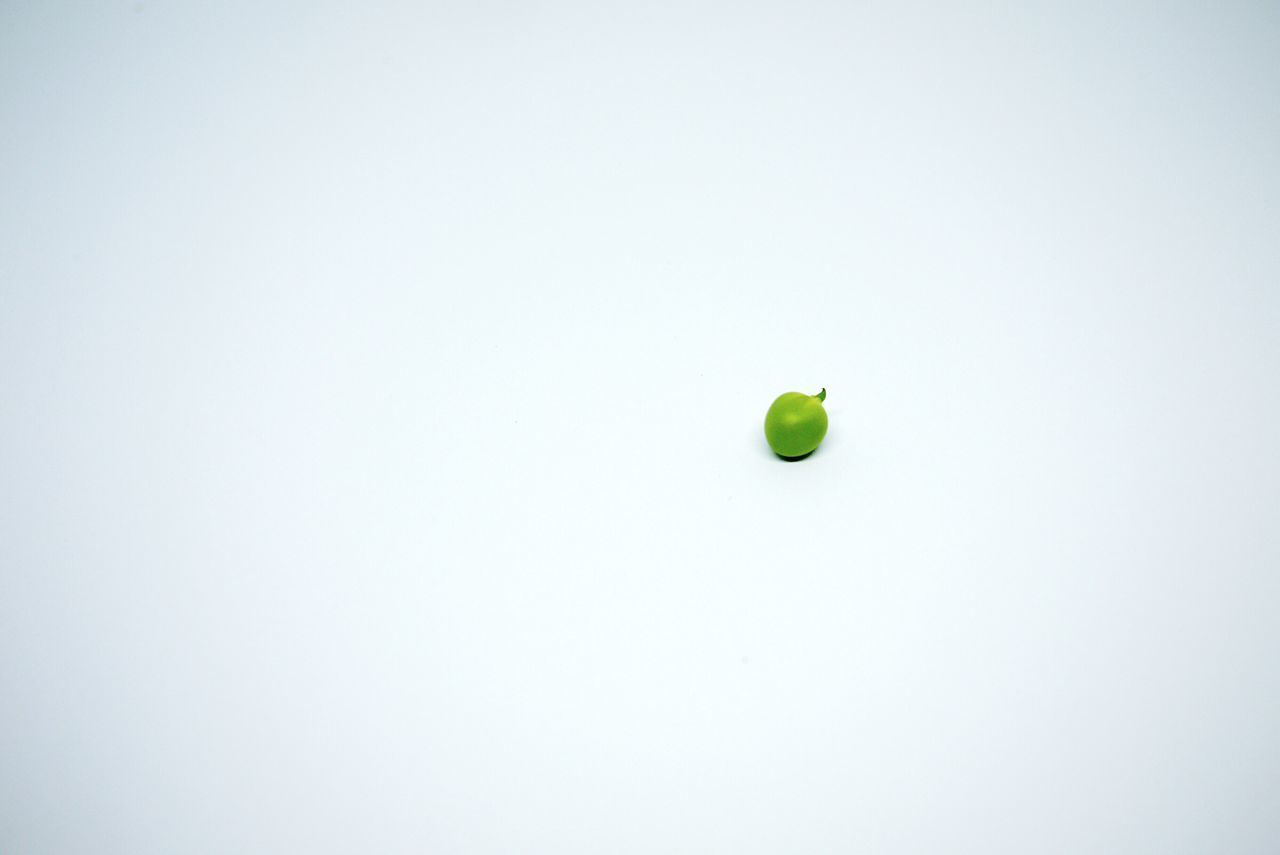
point(796, 423)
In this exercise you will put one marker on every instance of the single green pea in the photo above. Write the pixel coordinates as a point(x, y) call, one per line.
point(796, 423)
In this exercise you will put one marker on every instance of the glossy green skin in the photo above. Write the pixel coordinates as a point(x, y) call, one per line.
point(795, 424)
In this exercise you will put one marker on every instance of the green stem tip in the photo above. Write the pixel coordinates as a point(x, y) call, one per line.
point(822, 396)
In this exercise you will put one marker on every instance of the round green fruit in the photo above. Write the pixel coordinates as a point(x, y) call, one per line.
point(796, 423)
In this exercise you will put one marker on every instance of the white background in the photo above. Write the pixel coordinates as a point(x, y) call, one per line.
point(381, 464)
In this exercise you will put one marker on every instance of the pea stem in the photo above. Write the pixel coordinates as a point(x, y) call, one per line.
point(822, 396)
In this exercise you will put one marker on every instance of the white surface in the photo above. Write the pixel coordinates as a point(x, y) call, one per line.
point(382, 467)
